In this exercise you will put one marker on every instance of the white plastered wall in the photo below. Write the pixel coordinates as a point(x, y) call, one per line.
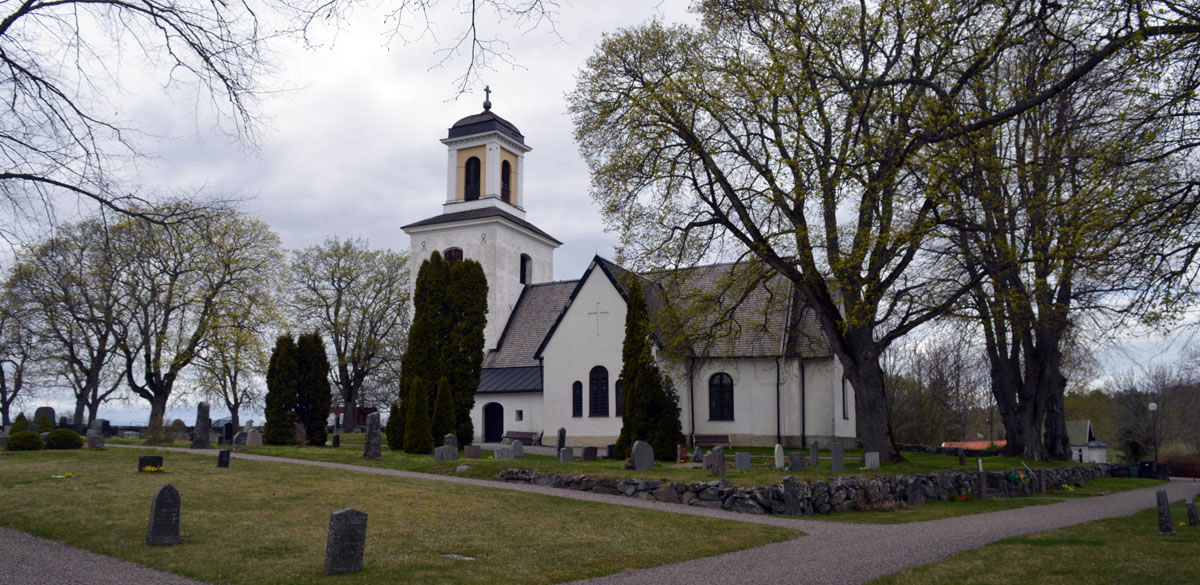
point(529, 403)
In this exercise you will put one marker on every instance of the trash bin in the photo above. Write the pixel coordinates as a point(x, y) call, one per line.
point(1133, 471)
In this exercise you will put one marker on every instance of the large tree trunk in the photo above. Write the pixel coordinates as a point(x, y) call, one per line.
point(870, 395)
point(81, 403)
point(350, 409)
point(158, 409)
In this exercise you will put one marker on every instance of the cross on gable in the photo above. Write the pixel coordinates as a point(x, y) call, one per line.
point(597, 313)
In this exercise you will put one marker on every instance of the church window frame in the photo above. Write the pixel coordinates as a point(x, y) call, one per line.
point(720, 396)
point(453, 255)
point(506, 182)
point(845, 401)
point(598, 391)
point(577, 399)
point(526, 269)
point(472, 179)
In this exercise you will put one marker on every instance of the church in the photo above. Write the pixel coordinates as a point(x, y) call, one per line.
point(554, 347)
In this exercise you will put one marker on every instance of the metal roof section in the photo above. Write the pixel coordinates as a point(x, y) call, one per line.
point(508, 380)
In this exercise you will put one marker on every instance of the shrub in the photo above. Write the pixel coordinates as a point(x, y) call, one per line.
point(24, 441)
point(64, 439)
point(443, 412)
point(395, 429)
point(45, 423)
point(178, 426)
point(418, 434)
point(160, 434)
point(21, 424)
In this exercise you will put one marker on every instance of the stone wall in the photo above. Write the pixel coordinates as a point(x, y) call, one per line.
point(796, 498)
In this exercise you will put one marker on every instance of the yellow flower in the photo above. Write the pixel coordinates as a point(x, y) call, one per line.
point(68, 474)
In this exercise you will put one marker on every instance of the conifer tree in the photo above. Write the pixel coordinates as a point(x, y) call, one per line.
point(21, 424)
point(282, 383)
point(314, 394)
point(45, 423)
point(430, 330)
point(463, 358)
point(651, 409)
point(443, 411)
point(418, 438)
point(394, 430)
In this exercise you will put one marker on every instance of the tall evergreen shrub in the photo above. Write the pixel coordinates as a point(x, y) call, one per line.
point(314, 394)
point(463, 358)
point(650, 412)
point(443, 412)
point(21, 424)
point(418, 437)
point(283, 378)
point(394, 430)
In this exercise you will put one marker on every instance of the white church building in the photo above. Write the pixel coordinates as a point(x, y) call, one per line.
point(554, 348)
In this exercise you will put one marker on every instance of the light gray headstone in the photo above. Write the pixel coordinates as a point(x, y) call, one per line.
point(1193, 519)
point(202, 432)
point(445, 453)
point(561, 440)
point(518, 449)
point(778, 456)
point(797, 461)
point(698, 454)
point(642, 455)
point(835, 457)
point(741, 460)
point(164, 516)
point(1164, 513)
point(814, 454)
point(254, 438)
point(718, 461)
point(472, 451)
point(871, 460)
point(503, 453)
point(706, 461)
point(450, 440)
point(347, 540)
point(566, 455)
point(299, 434)
point(374, 446)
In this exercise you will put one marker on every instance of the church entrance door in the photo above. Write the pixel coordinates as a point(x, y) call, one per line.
point(493, 422)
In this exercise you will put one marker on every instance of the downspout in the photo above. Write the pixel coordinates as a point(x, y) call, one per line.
point(778, 428)
point(803, 410)
point(692, 398)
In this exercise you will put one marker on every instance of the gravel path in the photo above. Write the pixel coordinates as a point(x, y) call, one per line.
point(831, 553)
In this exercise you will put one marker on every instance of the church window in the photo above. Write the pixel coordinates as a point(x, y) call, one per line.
point(520, 415)
point(577, 399)
point(845, 402)
point(453, 255)
point(720, 397)
point(620, 398)
point(471, 188)
point(526, 269)
point(506, 182)
point(598, 392)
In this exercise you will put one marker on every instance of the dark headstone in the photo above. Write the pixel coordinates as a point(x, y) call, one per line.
point(835, 457)
point(239, 438)
point(561, 440)
point(337, 441)
point(642, 455)
point(472, 452)
point(450, 440)
point(793, 504)
point(565, 455)
point(4, 438)
point(962, 457)
point(741, 460)
point(518, 448)
point(373, 449)
point(983, 491)
point(299, 434)
point(797, 461)
point(164, 517)
point(1164, 513)
point(62, 423)
point(347, 540)
point(589, 453)
point(202, 432)
point(145, 461)
point(223, 458)
point(718, 461)
point(445, 453)
point(813, 455)
point(611, 453)
point(871, 460)
point(1193, 520)
point(44, 410)
point(228, 433)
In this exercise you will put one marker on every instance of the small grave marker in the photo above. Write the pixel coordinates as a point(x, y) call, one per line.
point(450, 440)
point(706, 461)
point(565, 455)
point(778, 456)
point(797, 461)
point(589, 453)
point(503, 454)
point(561, 440)
point(814, 455)
point(346, 542)
point(445, 453)
point(228, 430)
point(835, 457)
point(145, 461)
point(642, 455)
point(871, 460)
point(698, 454)
point(1164, 513)
point(373, 448)
point(741, 460)
point(518, 448)
point(164, 517)
point(337, 441)
point(471, 452)
point(254, 438)
point(202, 432)
point(681, 453)
point(1193, 520)
point(298, 434)
point(718, 461)
point(223, 458)
point(962, 457)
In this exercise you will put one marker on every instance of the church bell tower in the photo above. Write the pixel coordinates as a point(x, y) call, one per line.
point(483, 216)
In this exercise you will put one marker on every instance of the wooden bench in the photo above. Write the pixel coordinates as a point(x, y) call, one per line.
point(699, 439)
point(525, 438)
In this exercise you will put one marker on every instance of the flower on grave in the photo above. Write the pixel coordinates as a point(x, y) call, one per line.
point(68, 474)
point(153, 469)
point(1183, 523)
point(1068, 487)
point(491, 458)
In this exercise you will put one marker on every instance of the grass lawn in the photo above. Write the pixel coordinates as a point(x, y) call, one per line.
point(1116, 551)
point(261, 523)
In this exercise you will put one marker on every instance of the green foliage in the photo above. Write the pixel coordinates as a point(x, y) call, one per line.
point(44, 423)
point(443, 412)
point(394, 430)
point(463, 357)
point(651, 409)
point(24, 441)
point(314, 394)
point(418, 437)
point(63, 439)
point(178, 426)
point(430, 329)
point(21, 424)
point(283, 378)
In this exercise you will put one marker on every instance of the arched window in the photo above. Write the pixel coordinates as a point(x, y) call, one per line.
point(453, 255)
point(577, 399)
point(506, 182)
point(620, 398)
point(720, 397)
point(471, 186)
point(598, 392)
point(526, 269)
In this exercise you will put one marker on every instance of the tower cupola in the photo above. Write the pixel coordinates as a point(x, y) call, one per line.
point(485, 163)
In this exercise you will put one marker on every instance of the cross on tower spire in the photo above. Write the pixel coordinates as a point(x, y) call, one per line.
point(487, 99)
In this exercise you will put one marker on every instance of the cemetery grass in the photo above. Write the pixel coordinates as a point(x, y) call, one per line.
point(259, 523)
point(1115, 551)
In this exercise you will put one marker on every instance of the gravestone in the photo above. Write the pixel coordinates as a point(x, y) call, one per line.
point(611, 453)
point(642, 455)
point(228, 430)
point(223, 458)
point(445, 453)
point(681, 454)
point(706, 461)
point(565, 455)
point(718, 461)
point(813, 454)
point(202, 432)
point(741, 460)
point(797, 461)
point(62, 422)
point(561, 440)
point(254, 438)
point(239, 439)
point(164, 517)
point(589, 453)
point(347, 539)
point(4, 439)
point(871, 460)
point(373, 448)
point(337, 441)
point(1193, 520)
point(982, 485)
point(962, 457)
point(44, 410)
point(450, 440)
point(95, 435)
point(518, 448)
point(778, 456)
point(145, 461)
point(835, 457)
point(472, 451)
point(503, 453)
point(298, 434)
point(698, 455)
point(1164, 513)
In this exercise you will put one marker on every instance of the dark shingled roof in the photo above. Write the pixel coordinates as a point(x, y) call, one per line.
point(501, 380)
point(537, 309)
point(485, 121)
point(483, 212)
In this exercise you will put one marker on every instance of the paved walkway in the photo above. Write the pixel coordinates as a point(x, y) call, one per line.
point(830, 553)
